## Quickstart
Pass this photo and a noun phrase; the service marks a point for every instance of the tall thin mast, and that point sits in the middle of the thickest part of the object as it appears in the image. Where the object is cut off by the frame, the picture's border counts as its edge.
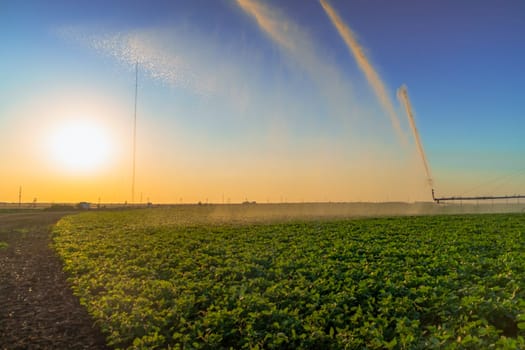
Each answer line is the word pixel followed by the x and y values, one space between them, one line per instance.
pixel 134 133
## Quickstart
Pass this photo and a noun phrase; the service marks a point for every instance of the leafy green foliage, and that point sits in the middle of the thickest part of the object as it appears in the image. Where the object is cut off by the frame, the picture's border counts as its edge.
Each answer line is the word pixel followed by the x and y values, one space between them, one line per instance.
pixel 162 278
pixel 3 245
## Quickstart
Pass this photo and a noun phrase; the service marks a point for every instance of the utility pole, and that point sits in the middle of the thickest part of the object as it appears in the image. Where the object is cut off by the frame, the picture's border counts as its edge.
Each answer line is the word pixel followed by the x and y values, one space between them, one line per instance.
pixel 20 196
pixel 134 133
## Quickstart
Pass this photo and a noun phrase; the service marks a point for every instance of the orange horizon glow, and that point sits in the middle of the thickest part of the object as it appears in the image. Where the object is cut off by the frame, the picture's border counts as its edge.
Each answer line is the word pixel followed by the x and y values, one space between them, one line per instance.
pixel 259 101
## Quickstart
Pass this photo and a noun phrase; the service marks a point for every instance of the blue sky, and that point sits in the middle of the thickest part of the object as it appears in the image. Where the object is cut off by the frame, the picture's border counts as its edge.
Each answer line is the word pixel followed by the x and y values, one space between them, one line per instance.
pixel 225 109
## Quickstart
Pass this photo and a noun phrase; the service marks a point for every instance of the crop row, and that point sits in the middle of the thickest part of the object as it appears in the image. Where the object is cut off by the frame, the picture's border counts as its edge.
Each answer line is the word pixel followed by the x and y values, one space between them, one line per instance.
pixel 151 280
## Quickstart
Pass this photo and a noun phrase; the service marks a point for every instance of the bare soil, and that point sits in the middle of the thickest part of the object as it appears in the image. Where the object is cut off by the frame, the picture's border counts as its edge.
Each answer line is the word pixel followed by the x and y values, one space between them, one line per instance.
pixel 37 307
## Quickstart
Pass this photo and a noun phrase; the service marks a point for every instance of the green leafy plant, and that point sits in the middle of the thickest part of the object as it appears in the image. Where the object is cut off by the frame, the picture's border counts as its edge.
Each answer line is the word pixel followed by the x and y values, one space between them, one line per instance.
pixel 173 278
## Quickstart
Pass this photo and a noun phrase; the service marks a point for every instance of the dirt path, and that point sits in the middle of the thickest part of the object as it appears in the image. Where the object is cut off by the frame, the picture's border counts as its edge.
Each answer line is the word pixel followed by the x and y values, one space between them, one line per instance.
pixel 37 307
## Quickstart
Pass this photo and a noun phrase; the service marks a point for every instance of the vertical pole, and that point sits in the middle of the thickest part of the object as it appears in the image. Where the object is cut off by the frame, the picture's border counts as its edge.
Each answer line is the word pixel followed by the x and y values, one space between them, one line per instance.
pixel 20 196
pixel 134 133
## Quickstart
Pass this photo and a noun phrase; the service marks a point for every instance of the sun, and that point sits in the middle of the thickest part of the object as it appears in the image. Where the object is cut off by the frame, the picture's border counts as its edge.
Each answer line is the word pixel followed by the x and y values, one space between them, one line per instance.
pixel 80 146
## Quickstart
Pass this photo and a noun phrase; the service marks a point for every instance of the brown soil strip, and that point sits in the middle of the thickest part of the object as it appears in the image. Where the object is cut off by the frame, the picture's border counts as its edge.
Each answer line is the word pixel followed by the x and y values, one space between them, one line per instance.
pixel 37 307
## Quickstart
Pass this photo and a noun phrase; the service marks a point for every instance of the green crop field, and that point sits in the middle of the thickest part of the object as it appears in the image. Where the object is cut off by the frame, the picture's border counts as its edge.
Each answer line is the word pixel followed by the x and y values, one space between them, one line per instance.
pixel 171 278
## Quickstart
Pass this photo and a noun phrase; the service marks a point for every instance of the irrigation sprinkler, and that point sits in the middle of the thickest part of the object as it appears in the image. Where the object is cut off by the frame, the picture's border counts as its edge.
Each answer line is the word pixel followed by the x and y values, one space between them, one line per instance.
pixel 474 198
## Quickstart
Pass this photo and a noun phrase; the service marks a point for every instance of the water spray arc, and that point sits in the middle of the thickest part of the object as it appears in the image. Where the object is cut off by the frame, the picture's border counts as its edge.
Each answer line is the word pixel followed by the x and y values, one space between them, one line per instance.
pixel 402 95
pixel 364 64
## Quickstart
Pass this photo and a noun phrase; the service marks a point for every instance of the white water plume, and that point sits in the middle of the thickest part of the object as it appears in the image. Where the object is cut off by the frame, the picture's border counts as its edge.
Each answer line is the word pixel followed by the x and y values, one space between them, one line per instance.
pixel 144 48
pixel 296 42
pixel 364 64
pixel 163 54
pixel 402 95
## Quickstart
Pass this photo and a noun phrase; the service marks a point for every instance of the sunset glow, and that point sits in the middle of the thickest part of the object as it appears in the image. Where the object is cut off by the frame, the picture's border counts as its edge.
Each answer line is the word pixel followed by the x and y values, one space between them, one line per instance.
pixel 266 101
pixel 79 146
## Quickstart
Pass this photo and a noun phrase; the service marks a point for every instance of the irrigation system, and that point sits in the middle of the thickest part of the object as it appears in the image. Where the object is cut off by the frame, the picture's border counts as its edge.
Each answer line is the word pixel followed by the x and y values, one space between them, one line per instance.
pixel 402 95
pixel 473 198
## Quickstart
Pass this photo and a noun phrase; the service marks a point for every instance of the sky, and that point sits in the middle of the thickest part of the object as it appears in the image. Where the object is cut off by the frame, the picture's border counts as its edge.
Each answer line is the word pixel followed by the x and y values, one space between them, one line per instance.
pixel 260 100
